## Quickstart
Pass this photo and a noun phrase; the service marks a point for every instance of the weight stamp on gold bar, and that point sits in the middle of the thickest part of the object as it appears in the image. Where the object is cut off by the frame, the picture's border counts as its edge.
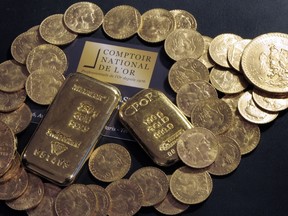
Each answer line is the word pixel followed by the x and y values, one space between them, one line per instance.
pixel 70 130
pixel 156 124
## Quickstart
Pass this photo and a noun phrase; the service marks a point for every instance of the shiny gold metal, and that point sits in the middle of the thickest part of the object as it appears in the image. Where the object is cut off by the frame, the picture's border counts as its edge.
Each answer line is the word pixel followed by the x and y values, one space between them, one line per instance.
pixel 126 197
pixel 109 162
pixel 191 186
pixel 191 93
pixel 184 19
pixel 154 183
pixel 12 100
pixel 76 199
pixel 205 57
pixel 184 43
pixel 197 147
pixel 12 76
pixel 19 119
pixel 235 53
pixel 252 112
pixel 24 43
pixel 69 131
pixel 246 134
pixel 31 197
pixel 156 24
pixel 43 84
pixel 185 71
pixel 102 199
pixel 264 62
pixel 156 124
pixel 7 147
pixel 46 206
pixel 53 30
pixel 122 22
pixel 228 157
pixel 219 46
pixel 47 56
pixel 213 114
pixel 14 187
pixel 83 17
pixel 227 80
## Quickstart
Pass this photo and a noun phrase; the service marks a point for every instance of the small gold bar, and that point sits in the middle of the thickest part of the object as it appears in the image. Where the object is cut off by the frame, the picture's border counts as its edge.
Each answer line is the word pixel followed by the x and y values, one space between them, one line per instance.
pixel 70 129
pixel 156 124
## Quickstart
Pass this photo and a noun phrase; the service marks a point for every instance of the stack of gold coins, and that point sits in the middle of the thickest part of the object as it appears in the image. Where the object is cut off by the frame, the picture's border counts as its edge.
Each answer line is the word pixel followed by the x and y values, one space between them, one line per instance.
pixel 225 86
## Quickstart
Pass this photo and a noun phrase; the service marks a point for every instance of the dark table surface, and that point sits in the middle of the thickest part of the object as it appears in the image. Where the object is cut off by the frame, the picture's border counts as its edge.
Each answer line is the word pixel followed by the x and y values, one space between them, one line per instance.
pixel 260 184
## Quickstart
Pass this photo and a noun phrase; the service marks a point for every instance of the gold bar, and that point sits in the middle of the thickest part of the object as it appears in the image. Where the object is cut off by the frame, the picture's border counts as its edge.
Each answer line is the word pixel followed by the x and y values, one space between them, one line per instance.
pixel 156 124
pixel 70 129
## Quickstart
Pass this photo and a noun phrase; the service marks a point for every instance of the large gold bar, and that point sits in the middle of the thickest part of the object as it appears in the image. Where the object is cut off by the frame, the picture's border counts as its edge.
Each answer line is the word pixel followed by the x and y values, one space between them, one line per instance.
pixel 70 129
pixel 156 124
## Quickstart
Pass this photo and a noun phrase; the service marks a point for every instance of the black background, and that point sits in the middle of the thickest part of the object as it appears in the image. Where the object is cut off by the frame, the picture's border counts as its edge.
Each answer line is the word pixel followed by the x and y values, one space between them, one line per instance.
pixel 260 184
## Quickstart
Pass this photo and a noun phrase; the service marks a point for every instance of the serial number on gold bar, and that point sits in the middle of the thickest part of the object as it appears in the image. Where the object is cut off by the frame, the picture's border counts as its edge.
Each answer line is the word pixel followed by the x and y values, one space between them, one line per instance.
pixel 71 128
pixel 156 124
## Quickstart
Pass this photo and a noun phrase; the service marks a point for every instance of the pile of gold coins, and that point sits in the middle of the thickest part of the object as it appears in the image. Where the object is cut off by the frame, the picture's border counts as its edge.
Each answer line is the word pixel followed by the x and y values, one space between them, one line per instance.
pixel 225 86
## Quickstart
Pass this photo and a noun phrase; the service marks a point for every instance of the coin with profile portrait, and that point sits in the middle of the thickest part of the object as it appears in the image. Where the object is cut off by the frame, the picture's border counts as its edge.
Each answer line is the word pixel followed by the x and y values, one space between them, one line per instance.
pixel 197 147
pixel 83 17
pixel 184 43
pixel 43 85
pixel 122 22
pixel 156 25
pixel 109 162
pixel 191 186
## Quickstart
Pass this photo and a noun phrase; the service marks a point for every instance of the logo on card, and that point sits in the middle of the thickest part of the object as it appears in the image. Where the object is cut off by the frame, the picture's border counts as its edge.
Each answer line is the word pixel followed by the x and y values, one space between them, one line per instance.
pixel 118 65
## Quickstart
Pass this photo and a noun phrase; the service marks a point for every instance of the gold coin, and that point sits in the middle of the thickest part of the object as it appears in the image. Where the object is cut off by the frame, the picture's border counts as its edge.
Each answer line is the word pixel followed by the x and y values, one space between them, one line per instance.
pixel 14 169
pixel 232 101
pixel 34 28
pixel 156 25
pixel 24 43
pixel 14 187
pixel 43 85
pixel 205 57
pixel 102 199
pixel 228 157
pixel 76 200
pixel 191 93
pixel 12 76
pixel 109 162
pixel 235 53
pixel 153 182
pixel 184 19
pixel 126 197
pixel 270 101
pixel 184 43
pixel 219 46
pixel 191 186
pixel 122 22
pixel 227 80
pixel 213 114
pixel 197 147
pixel 253 113
pixel 11 101
pixel 186 71
pixel 83 17
pixel 53 30
pixel 171 206
pixel 7 147
pixel 19 119
pixel 245 133
pixel 264 62
pixel 47 56
pixel 46 206
pixel 31 197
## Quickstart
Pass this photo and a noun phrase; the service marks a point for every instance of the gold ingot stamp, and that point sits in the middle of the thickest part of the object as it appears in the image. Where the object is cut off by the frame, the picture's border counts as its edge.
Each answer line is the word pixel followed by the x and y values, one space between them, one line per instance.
pixel 156 124
pixel 71 128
